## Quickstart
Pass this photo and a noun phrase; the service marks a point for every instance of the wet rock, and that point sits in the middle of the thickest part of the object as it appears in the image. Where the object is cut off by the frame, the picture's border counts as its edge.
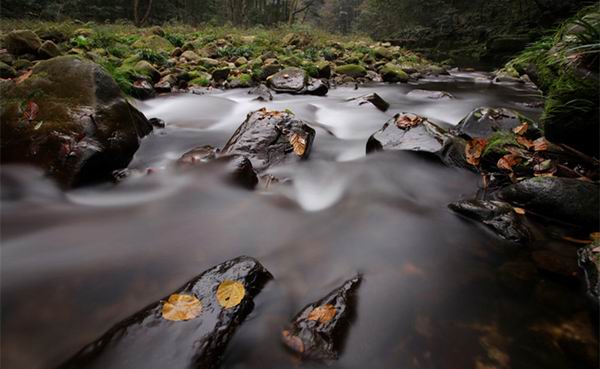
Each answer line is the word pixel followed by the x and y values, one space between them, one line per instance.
pixel 408 132
pixel 6 71
pixel 498 216
pixel 22 42
pixel 203 154
pixel 291 80
pixel 268 138
pixel 589 261
pixel 49 50
pixel 393 73
pixel 374 99
pixel 323 69
pixel 483 122
pixel 427 94
pixel 373 76
pixel 317 87
pixel 147 340
pixel 79 132
pixel 319 329
pixel 142 89
pixel 553 262
pixel 566 199
pixel 262 93
pixel 351 70
pixel 166 84
pixel 157 123
pixel 146 69
pixel 221 74
pixel 270 67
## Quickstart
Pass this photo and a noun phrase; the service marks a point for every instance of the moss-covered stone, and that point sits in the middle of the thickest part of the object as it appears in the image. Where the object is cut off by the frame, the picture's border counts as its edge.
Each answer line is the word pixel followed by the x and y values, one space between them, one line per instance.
pixel 153 42
pixel 146 69
pixel 393 73
pixel 351 70
pixel 6 71
pixel 22 42
pixel 49 50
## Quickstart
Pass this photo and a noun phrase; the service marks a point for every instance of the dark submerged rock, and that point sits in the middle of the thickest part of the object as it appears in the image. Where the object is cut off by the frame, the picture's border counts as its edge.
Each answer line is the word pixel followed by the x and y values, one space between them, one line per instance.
pixel 374 99
pixel 266 138
pixel 322 338
pixel 147 340
pixel 262 93
pixel 79 132
pixel 291 80
pixel 317 87
pixel 498 216
pixel 569 200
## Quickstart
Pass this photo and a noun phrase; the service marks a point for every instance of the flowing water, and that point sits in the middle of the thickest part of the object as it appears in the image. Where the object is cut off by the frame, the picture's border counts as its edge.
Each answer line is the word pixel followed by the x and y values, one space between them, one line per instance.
pixel 438 292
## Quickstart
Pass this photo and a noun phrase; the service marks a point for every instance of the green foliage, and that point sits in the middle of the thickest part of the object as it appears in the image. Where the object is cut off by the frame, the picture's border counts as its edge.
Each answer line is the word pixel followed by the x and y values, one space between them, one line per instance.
pixel 498 141
pixel 81 42
pixel 102 39
pixel 236 51
pixel 123 77
pixel 175 38
pixel 154 57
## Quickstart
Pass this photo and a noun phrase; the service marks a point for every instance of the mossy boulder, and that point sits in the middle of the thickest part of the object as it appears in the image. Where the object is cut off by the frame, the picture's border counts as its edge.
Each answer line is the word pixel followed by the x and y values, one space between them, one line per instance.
pixel 393 73
pixel 351 70
pixel 22 42
pixel 208 63
pixel 71 119
pixel 241 80
pixel 144 68
pixel 49 50
pixel 191 56
pixel 323 69
pixel 6 71
pixel 383 53
pixel 153 42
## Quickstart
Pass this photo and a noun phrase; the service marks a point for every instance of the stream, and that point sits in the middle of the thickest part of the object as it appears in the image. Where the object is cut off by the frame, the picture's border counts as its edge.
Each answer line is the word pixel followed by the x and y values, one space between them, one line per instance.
pixel 439 291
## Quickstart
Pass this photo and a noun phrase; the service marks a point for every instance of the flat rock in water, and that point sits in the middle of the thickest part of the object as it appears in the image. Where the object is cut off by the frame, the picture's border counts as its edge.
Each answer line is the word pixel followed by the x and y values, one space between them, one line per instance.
pixel 262 93
pixel 317 87
pixel 149 340
pixel 498 216
pixel 408 132
pixel 290 80
pixel 268 137
pixel 566 199
pixel 483 122
pixel 374 99
pixel 319 329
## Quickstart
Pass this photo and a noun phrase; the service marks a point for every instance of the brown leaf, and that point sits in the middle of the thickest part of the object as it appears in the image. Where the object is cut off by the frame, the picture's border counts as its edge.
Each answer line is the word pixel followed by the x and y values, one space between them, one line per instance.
pixel 507 162
pixel 181 307
pixel 519 211
pixel 20 79
pixel 524 142
pixel 406 121
pixel 31 111
pixel 230 293
pixel 521 129
pixel 541 144
pixel 293 342
pixel 595 235
pixel 323 313
pixel 298 143
pixel 474 149
pixel 576 240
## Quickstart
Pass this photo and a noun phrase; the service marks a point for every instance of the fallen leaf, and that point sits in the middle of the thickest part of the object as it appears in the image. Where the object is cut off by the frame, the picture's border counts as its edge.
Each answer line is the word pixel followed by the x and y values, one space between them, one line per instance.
pixel 405 121
pixel 474 149
pixel 298 143
pixel 541 144
pixel 524 142
pixel 181 307
pixel 507 162
pixel 20 79
pixel 595 235
pixel 31 111
pixel 294 342
pixel 323 313
pixel 521 129
pixel 576 240
pixel 519 211
pixel 230 293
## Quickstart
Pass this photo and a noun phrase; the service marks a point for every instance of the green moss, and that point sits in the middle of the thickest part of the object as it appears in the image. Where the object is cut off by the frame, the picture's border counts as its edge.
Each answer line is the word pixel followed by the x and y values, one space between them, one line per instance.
pixel 200 81
pixel 498 141
pixel 352 70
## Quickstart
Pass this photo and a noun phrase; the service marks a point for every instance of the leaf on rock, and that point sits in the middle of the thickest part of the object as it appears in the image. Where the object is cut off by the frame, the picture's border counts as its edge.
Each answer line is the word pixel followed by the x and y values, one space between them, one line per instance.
pixel 474 149
pixel 519 211
pixel 181 307
pixel 31 111
pixel 508 161
pixel 521 129
pixel 298 143
pixel 230 293
pixel 524 142
pixel 323 313
pixel 405 121
pixel 541 144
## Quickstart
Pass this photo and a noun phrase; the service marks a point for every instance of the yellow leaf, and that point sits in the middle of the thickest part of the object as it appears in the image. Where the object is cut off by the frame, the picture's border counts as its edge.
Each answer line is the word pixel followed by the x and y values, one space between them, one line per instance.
pixel 230 293
pixel 519 211
pixel 298 143
pixel 181 307
pixel 323 313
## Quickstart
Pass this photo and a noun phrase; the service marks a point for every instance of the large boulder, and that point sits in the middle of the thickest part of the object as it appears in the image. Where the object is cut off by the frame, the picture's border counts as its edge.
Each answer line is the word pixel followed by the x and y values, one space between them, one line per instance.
pixel 569 200
pixel 351 70
pixel 49 50
pixel 291 80
pixel 22 42
pixel 71 119
pixel 268 138
pixel 393 73
pixel 483 122
pixel 200 318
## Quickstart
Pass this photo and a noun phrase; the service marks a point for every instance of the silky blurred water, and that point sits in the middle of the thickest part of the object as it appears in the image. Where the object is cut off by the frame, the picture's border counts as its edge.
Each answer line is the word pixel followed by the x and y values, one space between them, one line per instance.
pixel 439 291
